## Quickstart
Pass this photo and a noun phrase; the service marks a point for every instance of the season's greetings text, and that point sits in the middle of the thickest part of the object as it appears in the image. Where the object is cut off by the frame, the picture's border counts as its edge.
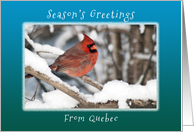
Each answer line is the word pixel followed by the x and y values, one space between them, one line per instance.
pixel 94 14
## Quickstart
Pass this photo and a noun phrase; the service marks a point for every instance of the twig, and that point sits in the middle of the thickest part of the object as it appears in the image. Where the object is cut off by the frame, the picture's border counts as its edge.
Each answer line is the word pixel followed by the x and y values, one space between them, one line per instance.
pixel 65 76
pixel 38 52
pixel 33 30
pixel 41 85
pixel 88 80
pixel 34 96
pixel 148 66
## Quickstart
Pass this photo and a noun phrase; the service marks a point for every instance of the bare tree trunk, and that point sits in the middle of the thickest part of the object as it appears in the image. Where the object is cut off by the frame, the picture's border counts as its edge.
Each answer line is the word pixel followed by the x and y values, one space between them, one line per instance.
pixel 149 66
pixel 141 44
pixel 117 55
pixel 136 46
pixel 147 38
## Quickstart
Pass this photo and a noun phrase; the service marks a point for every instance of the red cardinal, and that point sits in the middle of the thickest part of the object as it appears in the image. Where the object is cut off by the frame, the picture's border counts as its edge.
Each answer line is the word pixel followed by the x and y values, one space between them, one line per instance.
pixel 78 60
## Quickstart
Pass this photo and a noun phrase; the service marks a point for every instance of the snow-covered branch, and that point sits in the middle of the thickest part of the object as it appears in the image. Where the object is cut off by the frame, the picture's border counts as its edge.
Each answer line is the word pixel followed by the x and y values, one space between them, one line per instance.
pixel 113 95
pixel 43 48
pixel 145 56
pixel 43 72
pixel 137 65
pixel 71 91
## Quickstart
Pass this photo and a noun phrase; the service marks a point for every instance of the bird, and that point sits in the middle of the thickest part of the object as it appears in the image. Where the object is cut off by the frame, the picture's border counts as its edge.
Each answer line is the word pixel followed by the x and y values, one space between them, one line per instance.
pixel 78 60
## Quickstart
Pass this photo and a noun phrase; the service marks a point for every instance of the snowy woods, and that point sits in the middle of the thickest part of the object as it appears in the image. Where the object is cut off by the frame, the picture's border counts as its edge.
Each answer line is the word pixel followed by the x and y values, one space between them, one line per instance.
pixel 123 77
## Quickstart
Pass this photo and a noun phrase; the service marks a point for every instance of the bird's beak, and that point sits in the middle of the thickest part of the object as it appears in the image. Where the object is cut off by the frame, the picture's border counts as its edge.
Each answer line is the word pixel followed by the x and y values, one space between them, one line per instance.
pixel 93 47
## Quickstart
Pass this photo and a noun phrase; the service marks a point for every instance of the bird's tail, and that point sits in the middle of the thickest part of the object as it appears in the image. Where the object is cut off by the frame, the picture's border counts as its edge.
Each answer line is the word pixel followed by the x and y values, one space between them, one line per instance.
pixel 28 76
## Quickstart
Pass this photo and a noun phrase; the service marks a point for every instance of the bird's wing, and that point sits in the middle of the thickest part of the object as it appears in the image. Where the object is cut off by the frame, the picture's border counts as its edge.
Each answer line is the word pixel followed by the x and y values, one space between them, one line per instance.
pixel 68 61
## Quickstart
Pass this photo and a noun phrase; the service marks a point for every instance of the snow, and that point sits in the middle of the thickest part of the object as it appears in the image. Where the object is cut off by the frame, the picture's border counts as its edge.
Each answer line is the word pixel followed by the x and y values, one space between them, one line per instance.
pixel 121 91
pixel 44 48
pixel 141 28
pixel 155 48
pixel 120 27
pixel 36 62
pixel 28 28
pixel 110 47
pixel 40 65
pixel 79 28
pixel 145 56
pixel 140 79
pixel 100 39
pixel 146 50
pixel 113 90
pixel 54 99
pixel 51 28
pixel 154 37
pixel 94 35
pixel 80 36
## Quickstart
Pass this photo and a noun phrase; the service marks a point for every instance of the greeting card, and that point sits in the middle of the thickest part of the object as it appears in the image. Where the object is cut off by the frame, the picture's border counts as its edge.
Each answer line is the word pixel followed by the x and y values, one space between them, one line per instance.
pixel 96 65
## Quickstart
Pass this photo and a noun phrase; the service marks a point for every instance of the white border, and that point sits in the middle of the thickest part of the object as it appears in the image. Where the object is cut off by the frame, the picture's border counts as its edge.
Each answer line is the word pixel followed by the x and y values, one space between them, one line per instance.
pixel 92 23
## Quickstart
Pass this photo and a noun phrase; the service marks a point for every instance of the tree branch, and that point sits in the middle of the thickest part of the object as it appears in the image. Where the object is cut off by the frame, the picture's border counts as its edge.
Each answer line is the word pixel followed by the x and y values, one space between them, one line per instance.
pixel 57 85
pixel 73 94
pixel 88 80
pixel 141 103
pixel 76 95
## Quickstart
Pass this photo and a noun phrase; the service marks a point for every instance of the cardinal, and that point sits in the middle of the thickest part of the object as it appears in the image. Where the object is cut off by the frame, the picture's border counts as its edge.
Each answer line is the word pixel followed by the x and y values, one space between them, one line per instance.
pixel 78 60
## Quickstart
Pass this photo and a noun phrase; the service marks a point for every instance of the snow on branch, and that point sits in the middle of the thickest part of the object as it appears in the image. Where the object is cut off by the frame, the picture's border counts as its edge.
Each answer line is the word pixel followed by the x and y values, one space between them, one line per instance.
pixel 51 28
pixel 38 67
pixel 121 91
pixel 39 64
pixel 43 48
pixel 119 27
pixel 113 95
pixel 145 56
pixel 72 91
pixel 112 92
pixel 53 50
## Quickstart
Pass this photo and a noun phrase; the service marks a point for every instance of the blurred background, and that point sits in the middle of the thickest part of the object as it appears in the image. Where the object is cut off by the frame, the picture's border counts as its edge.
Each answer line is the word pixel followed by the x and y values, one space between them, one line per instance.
pixel 126 52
